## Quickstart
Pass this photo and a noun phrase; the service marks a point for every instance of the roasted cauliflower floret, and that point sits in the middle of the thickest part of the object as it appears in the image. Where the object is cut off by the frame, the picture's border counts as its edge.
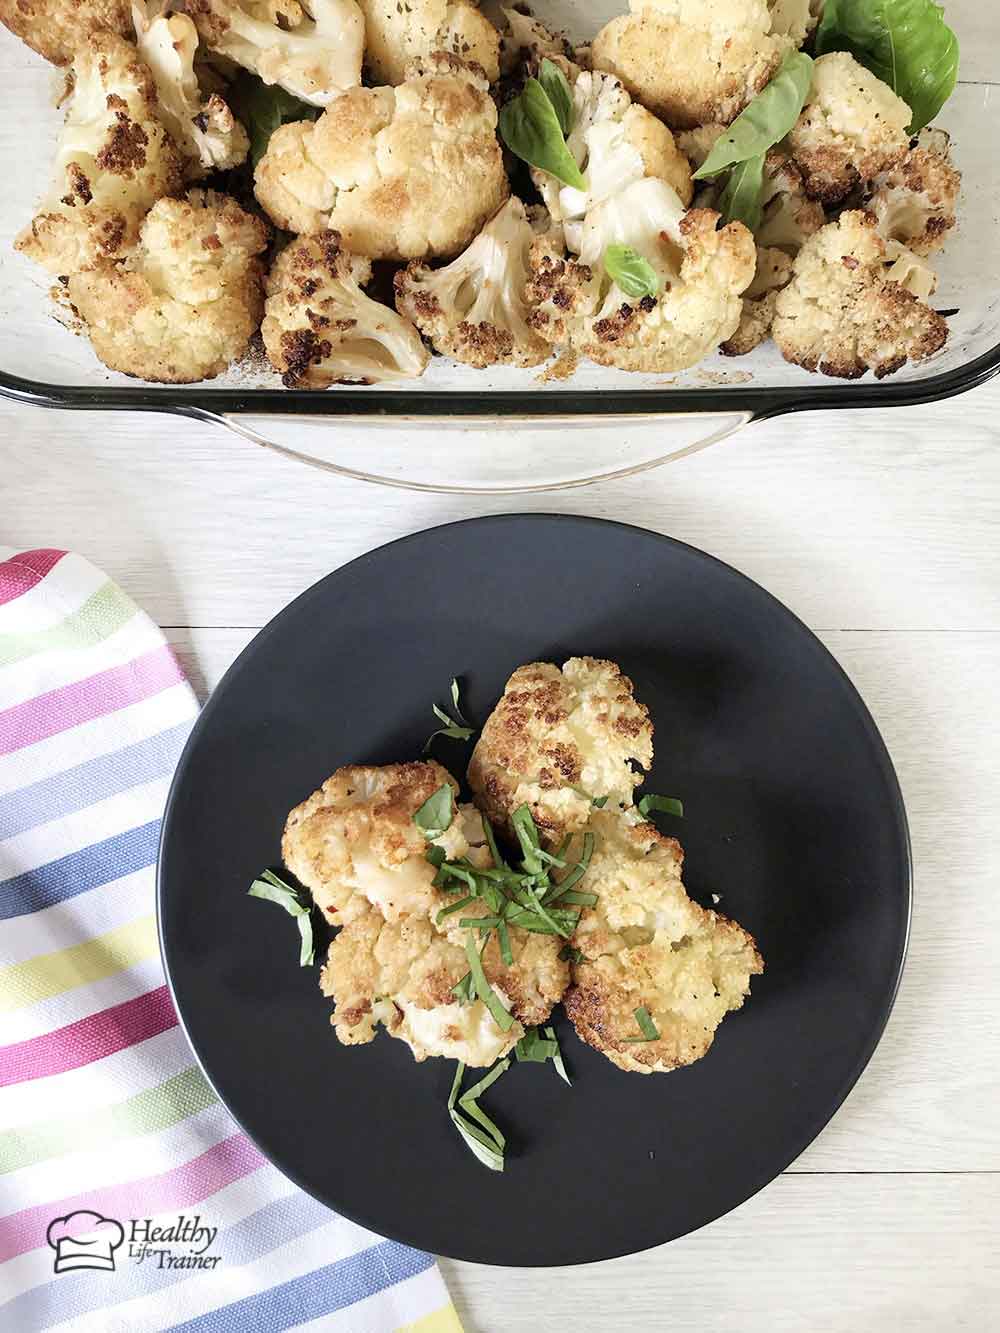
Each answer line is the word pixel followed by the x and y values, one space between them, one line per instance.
pixel 914 202
pixel 760 300
pixel 557 741
pixel 615 143
pixel 402 973
pixel 646 945
pixel 788 216
pixel 312 49
pixel 57 29
pixel 696 144
pixel 702 272
pixel 320 328
pixel 355 839
pixel 397 34
pixel 692 61
pixel 185 305
pixel 204 128
pixel 113 162
pixel 795 18
pixel 852 127
pixel 402 173
pixel 474 309
pixel 843 316
pixel 525 42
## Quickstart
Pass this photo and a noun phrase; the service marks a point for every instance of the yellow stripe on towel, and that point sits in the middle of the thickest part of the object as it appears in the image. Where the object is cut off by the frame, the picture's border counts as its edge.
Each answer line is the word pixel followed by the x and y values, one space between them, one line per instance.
pixel 49 974
pixel 440 1321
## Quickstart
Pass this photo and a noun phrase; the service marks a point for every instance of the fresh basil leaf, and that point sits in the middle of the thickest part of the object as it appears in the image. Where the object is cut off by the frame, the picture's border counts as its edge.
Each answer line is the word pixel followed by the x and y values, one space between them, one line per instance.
pixel 667 805
pixel 647 1027
pixel 484 990
pixel 905 43
pixel 556 88
pixel 557 1059
pixel 435 815
pixel 529 126
pixel 741 199
pixel 633 274
pixel 571 955
pixel 767 119
pixel 274 890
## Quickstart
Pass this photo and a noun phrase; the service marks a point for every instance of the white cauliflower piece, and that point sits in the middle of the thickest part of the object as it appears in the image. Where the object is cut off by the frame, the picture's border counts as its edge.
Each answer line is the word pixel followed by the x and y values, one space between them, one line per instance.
pixel 401 973
pixel 354 841
pixel 702 271
pixel 914 201
pixel 402 173
pixel 525 42
pixel 852 127
pixel 398 34
pixel 114 160
pixel 320 328
pixel 186 303
pixel 692 62
pixel 204 128
pixel 910 270
pixel 312 49
pixel 842 315
pixel 696 144
pixel 795 18
pixel 788 216
pixel 474 309
pixel 646 945
pixel 760 300
pixel 57 29
pixel 557 740
pixel 614 144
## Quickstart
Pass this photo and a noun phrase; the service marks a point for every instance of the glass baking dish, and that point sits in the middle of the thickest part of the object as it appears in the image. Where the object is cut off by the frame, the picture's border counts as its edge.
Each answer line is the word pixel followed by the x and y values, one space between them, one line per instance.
pixel 460 429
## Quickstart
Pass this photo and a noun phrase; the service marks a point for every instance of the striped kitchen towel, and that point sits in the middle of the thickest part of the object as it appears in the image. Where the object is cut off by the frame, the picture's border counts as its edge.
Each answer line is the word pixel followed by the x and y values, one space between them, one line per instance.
pixel 128 1199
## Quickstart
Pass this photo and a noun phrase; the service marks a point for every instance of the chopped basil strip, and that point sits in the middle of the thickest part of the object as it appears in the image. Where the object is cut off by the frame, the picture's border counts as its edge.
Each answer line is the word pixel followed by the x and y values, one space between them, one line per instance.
pixel 454 907
pixel 667 805
pixel 465 990
pixel 633 274
pixel 600 802
pixel 435 815
pixel 275 890
pixel 456 730
pixel 484 990
pixel 580 869
pixel 503 934
pixel 569 954
pixel 646 1026
pixel 557 1059
pixel 556 88
pixel 487 1143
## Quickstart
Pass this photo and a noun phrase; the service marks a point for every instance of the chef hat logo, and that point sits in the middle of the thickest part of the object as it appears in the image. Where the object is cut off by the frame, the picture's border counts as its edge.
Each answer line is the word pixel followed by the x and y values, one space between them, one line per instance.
pixel 85 1240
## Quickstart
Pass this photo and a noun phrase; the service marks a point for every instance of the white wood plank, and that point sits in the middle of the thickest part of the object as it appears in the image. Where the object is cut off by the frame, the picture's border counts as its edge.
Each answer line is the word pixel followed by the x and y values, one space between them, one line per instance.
pixel 929 1098
pixel 883 520
pixel 827 1254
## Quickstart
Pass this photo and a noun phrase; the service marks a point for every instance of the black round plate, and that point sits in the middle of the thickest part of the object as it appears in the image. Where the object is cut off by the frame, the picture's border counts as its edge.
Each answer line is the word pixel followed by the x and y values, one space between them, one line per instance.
pixel 793 816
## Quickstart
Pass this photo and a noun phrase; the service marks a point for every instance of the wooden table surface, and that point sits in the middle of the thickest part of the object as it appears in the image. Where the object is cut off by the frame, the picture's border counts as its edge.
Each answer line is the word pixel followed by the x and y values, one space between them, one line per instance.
pixel 882 531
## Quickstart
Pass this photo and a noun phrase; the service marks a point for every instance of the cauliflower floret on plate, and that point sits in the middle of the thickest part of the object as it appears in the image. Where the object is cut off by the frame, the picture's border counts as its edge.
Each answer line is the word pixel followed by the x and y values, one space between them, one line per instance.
pixel 397 34
pixel 760 301
pixel 402 974
pixel 702 273
pixel 402 173
pixel 320 328
pixel 843 315
pixel 788 216
pixel 355 839
pixel 204 128
pixel 914 201
pixel 852 127
pixel 692 61
pixel 614 143
pixel 795 18
pixel 57 29
pixel 185 305
pixel 312 49
pixel 474 309
pixel 557 741
pixel 525 42
pixel 114 160
pixel 646 945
